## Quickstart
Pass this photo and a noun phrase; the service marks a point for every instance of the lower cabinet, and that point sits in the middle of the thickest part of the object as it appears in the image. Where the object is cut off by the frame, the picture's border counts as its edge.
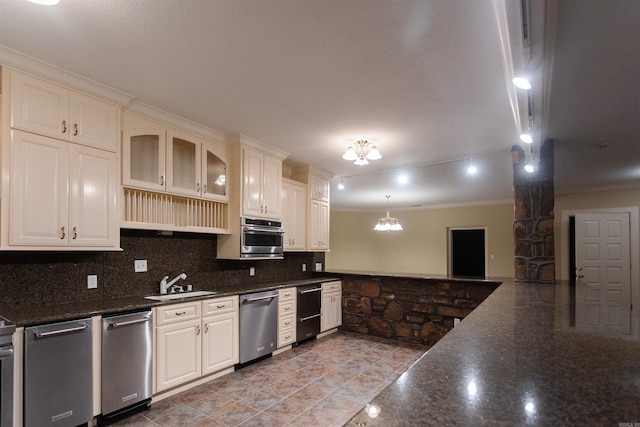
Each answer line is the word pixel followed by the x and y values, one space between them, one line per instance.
pixel 195 339
pixel 286 316
pixel 331 305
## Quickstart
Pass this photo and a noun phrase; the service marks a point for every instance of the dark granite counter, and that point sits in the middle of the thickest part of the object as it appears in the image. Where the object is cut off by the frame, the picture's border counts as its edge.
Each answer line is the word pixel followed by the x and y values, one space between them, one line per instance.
pixel 29 315
pixel 530 354
pixel 418 276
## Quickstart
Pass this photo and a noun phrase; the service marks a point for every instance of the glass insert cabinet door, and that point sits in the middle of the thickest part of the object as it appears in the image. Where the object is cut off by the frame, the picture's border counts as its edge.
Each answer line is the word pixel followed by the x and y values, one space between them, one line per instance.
pixel 214 171
pixel 144 159
pixel 184 164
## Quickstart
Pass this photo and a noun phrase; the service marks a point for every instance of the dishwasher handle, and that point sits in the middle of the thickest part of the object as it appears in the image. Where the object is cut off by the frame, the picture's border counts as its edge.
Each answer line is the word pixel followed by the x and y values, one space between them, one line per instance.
pixel 60 331
pixel 306 291
pixel 259 298
pixel 113 324
pixel 6 352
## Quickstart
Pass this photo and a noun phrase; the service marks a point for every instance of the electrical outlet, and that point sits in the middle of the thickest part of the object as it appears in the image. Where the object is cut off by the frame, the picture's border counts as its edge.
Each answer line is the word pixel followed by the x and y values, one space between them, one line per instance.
pixel 92 281
pixel 252 271
pixel 140 265
pixel 456 320
pixel 304 267
pixel 318 266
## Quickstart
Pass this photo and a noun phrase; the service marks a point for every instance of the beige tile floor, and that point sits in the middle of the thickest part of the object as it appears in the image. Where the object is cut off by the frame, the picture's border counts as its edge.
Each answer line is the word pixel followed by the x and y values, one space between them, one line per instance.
pixel 318 383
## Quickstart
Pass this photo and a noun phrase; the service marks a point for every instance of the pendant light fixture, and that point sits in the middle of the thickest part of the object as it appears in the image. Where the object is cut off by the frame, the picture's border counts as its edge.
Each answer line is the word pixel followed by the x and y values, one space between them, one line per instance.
pixel 362 151
pixel 387 223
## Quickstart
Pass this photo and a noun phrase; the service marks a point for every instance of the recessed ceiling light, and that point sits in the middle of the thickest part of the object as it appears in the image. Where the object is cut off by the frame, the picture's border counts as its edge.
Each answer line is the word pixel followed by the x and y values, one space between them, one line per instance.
pixel 522 83
pixel 45 2
pixel 403 179
pixel 471 170
pixel 526 137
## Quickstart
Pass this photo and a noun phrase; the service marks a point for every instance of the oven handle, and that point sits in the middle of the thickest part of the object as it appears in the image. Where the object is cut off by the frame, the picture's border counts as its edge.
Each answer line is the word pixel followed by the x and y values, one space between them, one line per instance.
pixel 302 319
pixel 6 352
pixel 306 291
pixel 260 230
pixel 60 331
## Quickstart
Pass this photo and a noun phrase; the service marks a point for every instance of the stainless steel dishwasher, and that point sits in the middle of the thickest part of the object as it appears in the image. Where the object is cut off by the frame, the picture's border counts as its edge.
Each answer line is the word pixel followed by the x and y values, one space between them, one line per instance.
pixel 6 372
pixel 58 381
pixel 258 325
pixel 127 345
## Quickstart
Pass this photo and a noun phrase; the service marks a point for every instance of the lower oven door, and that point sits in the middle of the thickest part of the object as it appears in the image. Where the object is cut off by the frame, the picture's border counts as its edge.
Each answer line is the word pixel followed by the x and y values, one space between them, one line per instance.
pixel 308 326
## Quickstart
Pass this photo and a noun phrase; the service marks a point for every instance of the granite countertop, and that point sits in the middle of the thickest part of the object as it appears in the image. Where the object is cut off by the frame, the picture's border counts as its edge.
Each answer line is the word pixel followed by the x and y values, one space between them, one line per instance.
pixel 35 314
pixel 530 354
pixel 465 279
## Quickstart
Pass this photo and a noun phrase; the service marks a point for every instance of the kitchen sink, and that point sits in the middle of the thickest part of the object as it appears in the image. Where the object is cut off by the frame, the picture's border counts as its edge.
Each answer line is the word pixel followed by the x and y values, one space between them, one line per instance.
pixel 180 295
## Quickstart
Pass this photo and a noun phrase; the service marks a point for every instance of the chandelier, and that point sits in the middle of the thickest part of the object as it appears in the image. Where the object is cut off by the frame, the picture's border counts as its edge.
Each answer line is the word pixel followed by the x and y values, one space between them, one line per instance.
pixel 362 151
pixel 387 223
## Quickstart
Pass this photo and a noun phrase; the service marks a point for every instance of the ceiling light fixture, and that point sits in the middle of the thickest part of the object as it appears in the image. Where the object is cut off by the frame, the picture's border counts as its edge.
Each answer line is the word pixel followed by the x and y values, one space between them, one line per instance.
pixel 341 185
pixel 361 152
pixel 472 170
pixel 526 137
pixel 387 223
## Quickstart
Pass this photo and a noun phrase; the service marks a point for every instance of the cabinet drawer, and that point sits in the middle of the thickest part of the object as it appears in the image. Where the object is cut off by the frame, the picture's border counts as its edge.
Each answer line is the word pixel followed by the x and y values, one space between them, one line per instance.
pixel 286 294
pixel 177 313
pixel 219 305
pixel 284 308
pixel 332 286
pixel 286 322
pixel 286 337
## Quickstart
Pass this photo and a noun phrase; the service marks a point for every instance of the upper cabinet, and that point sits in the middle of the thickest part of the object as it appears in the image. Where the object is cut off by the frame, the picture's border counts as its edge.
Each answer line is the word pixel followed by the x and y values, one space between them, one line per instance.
pixel 294 219
pixel 159 158
pixel 47 109
pixel 318 206
pixel 59 168
pixel 261 184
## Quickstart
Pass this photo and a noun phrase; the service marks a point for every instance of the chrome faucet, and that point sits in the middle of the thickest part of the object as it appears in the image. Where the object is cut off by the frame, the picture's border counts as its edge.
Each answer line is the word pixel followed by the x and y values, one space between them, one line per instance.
pixel 164 286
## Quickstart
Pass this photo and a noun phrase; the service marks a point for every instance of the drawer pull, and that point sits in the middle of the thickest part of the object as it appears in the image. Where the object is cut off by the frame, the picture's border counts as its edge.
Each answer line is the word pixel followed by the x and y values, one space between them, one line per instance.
pixel 287 323
pixel 287 337
pixel 180 313
pixel 220 306
pixel 287 308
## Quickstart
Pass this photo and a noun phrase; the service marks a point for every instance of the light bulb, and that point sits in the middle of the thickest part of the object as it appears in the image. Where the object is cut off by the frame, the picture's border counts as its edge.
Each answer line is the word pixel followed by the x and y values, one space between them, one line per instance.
pixel 522 83
pixel 525 137
pixel 529 168
pixel 471 170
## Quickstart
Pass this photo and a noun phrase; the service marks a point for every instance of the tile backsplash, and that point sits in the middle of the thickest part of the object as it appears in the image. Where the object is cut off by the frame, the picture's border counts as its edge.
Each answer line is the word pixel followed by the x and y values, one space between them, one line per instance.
pixel 57 277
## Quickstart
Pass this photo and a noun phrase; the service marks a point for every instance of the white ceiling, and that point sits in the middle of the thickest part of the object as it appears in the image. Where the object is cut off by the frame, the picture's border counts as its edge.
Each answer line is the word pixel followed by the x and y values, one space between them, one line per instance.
pixel 427 80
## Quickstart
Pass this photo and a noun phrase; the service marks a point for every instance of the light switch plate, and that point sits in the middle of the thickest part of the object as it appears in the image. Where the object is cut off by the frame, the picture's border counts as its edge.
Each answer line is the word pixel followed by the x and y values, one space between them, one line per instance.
pixel 304 267
pixel 92 281
pixel 140 265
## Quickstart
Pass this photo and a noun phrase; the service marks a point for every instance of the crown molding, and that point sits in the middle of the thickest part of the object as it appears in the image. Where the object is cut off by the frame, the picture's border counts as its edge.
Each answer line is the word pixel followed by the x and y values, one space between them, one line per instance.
pixel 239 139
pixel 27 64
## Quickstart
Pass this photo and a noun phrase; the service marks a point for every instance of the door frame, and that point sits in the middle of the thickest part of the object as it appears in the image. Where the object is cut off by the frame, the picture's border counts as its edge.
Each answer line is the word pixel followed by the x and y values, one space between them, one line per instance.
pixel 450 248
pixel 634 245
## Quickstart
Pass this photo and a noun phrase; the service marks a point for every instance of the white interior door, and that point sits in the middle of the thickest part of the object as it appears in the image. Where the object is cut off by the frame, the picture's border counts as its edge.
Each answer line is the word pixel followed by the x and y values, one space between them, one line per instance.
pixel 603 263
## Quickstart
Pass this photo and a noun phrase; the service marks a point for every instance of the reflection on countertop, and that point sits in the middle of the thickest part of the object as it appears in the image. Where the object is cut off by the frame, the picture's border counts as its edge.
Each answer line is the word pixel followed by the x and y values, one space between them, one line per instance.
pixel 525 356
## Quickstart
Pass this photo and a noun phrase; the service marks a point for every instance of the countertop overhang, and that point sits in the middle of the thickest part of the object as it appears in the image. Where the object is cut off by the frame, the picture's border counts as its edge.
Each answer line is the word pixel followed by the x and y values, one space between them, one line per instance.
pixel 527 355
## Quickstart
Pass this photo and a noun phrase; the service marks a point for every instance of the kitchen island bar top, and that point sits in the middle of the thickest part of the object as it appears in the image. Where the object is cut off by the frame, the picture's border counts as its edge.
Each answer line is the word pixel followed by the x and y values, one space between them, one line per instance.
pixel 530 354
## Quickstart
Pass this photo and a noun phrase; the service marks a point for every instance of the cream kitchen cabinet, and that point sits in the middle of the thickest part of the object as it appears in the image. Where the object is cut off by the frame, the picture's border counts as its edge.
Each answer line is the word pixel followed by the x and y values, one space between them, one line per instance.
pixel 286 316
pixel 178 345
pixel 318 226
pixel 331 305
pixel 195 339
pixel 48 109
pixel 62 194
pixel 220 339
pixel 318 188
pixel 165 159
pixel 294 215
pixel 261 185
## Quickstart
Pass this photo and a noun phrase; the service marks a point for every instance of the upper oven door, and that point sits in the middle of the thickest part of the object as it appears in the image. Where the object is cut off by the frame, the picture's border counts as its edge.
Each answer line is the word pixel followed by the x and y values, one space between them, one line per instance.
pixel 261 241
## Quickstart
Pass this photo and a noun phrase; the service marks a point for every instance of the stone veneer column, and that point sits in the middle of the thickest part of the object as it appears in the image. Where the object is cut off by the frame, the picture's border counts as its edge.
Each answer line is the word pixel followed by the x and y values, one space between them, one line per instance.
pixel 533 237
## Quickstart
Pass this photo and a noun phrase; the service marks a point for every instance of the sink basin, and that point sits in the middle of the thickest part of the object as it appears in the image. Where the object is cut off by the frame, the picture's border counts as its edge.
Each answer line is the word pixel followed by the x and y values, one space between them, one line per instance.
pixel 180 295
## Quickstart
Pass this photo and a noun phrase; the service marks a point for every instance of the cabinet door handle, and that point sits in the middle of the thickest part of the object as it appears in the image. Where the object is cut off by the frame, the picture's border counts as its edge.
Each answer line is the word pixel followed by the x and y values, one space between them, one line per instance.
pixel 206 328
pixel 63 233
pixel 64 126
pixel 198 330
pixel 198 187
pixel 161 179
pixel 204 188
pixel 75 233
pixel 266 209
pixel 75 129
